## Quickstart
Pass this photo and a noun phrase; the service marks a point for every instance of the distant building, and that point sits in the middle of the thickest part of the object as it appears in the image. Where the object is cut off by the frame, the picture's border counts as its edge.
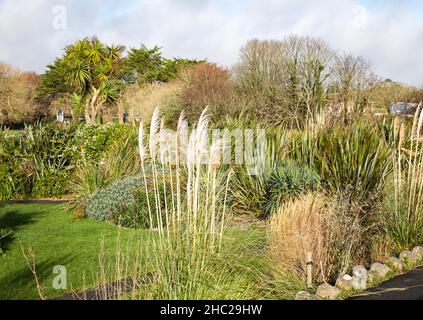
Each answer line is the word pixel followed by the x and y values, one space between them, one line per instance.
pixel 403 109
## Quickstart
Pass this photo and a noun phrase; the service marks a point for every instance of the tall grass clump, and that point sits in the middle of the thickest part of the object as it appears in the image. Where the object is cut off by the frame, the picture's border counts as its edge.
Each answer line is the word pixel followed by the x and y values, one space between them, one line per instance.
pixel 330 229
pixel 402 217
pixel 142 100
pixel 192 222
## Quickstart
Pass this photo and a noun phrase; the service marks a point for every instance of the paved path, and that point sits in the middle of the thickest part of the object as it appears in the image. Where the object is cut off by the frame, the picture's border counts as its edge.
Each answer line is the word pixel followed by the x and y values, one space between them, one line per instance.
pixel 111 290
pixel 33 202
pixel 407 286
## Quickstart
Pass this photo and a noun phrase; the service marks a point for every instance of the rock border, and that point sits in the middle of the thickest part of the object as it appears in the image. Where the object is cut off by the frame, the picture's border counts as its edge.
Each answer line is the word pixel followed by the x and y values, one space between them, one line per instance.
pixel 361 278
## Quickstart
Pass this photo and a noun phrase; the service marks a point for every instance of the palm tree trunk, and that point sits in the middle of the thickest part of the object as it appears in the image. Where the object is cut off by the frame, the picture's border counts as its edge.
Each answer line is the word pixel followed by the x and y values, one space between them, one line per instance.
pixel 91 109
pixel 87 113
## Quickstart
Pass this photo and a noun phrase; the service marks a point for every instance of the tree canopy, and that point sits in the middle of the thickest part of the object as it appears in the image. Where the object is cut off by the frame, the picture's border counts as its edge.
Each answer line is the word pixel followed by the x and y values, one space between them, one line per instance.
pixel 93 75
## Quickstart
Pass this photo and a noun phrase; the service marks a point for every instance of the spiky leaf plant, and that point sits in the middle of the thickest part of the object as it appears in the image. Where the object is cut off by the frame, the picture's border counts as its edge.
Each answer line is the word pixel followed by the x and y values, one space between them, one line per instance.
pixel 354 158
pixel 288 181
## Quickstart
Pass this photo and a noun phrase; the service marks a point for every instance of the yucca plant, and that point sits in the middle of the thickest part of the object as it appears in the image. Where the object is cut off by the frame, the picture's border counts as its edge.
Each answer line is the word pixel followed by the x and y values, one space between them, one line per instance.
pixel 261 188
pixel 403 215
pixel 288 181
pixel 250 182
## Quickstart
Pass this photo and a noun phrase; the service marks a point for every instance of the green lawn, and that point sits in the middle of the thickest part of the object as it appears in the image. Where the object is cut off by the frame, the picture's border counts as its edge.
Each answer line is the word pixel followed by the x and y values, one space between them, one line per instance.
pixel 15 132
pixel 57 239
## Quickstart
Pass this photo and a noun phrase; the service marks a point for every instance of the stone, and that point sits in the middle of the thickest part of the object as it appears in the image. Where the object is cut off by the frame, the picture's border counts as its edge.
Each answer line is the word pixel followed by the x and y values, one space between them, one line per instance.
pixel 410 257
pixel 326 291
pixel 414 257
pixel 403 108
pixel 405 255
pixel 396 263
pixel 418 251
pixel 379 269
pixel 304 295
pixel 359 278
pixel 345 282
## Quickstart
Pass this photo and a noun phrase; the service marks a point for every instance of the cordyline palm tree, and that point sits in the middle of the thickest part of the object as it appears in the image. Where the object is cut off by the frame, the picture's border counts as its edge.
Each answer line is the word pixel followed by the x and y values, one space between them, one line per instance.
pixel 93 72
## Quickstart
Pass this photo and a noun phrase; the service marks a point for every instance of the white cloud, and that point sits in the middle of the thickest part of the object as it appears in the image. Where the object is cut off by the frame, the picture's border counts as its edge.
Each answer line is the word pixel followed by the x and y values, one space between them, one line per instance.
pixel 361 17
pixel 388 35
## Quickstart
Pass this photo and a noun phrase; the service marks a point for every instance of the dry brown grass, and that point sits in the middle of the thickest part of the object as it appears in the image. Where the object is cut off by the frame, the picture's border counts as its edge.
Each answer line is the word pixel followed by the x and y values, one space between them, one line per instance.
pixel 381 248
pixel 331 230
pixel 143 100
pixel 297 228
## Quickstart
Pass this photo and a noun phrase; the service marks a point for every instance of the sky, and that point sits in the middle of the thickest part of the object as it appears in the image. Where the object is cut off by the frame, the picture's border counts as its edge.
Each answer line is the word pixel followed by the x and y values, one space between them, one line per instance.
pixel 388 33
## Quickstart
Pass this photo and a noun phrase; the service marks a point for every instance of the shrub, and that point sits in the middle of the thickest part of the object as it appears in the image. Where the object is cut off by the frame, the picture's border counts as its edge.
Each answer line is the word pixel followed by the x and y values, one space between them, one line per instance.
pixel 123 203
pixel 6 181
pixel 207 86
pixel 119 161
pixel 107 203
pixel 143 99
pixel 46 153
pixel 41 162
pixel 52 182
pixel 92 140
pixel 12 180
pixel 37 162
pixel 18 102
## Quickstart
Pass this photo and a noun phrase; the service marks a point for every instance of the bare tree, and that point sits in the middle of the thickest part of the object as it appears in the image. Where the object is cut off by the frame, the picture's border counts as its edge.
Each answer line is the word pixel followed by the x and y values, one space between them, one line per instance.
pixel 314 71
pixel 352 76
pixel 289 77
pixel 17 94
pixel 260 68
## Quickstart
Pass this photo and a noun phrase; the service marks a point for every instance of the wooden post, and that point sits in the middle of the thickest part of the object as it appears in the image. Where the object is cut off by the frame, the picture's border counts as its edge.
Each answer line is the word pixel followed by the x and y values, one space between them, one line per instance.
pixel 309 270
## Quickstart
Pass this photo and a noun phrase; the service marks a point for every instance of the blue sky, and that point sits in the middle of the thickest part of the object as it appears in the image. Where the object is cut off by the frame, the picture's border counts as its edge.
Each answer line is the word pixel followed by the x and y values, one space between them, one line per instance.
pixel 388 33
